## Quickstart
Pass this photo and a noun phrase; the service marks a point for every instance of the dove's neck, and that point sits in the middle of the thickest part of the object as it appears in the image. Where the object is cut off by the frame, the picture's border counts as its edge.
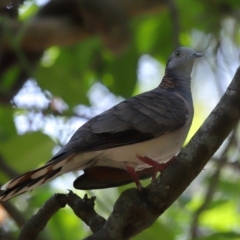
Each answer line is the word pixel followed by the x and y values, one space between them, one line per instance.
pixel 177 83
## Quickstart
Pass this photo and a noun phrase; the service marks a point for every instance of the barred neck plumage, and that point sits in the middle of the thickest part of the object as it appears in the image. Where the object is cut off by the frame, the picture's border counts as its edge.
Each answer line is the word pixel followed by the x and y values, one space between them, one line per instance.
pixel 177 83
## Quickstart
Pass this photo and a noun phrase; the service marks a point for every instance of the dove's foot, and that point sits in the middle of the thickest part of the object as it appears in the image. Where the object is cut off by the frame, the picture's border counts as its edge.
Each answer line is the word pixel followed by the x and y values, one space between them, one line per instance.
pixel 134 176
pixel 158 167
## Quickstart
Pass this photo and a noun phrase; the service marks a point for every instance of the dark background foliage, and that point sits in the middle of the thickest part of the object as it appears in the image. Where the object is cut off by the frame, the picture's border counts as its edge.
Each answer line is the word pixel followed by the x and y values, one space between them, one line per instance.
pixel 62 62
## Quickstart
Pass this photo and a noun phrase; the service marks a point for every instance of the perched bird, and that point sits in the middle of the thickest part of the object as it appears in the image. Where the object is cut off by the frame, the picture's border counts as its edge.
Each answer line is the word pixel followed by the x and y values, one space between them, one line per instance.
pixel 133 140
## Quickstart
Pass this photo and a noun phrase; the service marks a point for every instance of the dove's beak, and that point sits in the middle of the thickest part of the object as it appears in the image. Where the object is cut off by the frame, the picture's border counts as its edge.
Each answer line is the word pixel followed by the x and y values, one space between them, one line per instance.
pixel 197 55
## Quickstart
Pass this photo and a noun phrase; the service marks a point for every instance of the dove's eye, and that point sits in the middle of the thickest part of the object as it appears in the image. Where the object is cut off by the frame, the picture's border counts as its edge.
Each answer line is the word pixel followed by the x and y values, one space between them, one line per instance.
pixel 177 53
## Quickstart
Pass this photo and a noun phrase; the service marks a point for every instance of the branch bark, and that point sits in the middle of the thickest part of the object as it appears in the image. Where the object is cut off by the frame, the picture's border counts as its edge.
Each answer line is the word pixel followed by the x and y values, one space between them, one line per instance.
pixel 83 208
pixel 135 211
pixel 37 223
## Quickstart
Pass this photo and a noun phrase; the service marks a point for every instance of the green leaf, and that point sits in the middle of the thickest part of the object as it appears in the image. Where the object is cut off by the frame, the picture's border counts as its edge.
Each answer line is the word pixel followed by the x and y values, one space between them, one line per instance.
pixel 194 18
pixel 222 236
pixel 65 225
pixel 26 152
pixel 216 203
pixel 27 10
pixel 221 218
pixel 157 231
pixel 8 78
pixel 7 127
pixel 70 76
pixel 120 73
pixel 160 49
pixel 229 188
pixel 150 34
pixel 146 32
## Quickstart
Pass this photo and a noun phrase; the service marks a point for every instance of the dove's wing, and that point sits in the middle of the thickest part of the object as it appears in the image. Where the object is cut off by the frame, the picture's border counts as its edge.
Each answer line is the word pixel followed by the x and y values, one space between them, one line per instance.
pixel 135 120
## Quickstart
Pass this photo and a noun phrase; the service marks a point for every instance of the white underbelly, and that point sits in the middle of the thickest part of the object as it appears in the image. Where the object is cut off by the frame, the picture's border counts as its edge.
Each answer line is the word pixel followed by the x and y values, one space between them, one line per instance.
pixel 160 149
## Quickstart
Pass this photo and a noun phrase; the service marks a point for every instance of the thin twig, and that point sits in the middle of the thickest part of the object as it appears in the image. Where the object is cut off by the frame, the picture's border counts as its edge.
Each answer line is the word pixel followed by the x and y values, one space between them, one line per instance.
pixel 83 208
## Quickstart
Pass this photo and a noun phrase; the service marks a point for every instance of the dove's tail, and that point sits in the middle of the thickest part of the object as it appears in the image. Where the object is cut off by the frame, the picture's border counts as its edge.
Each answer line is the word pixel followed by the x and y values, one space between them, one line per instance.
pixel 35 178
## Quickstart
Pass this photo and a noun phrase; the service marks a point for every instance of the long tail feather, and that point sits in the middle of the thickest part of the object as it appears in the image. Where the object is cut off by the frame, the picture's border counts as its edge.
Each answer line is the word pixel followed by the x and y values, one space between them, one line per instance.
pixel 32 179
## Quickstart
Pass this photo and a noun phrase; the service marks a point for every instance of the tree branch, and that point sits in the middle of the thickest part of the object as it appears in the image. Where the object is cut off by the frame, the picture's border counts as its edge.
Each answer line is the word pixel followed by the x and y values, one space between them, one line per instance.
pixel 37 223
pixel 83 208
pixel 136 210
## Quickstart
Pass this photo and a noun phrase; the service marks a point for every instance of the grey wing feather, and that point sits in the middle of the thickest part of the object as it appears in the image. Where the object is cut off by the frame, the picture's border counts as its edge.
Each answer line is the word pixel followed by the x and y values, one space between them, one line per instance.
pixel 152 112
pixel 137 119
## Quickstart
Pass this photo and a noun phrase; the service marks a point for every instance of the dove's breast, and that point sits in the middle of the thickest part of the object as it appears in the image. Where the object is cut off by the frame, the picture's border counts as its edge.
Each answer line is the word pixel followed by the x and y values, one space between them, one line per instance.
pixel 160 149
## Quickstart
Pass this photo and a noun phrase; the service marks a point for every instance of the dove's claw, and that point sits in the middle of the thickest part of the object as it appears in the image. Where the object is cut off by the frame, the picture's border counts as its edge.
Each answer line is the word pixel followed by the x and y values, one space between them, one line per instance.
pixel 134 176
pixel 158 167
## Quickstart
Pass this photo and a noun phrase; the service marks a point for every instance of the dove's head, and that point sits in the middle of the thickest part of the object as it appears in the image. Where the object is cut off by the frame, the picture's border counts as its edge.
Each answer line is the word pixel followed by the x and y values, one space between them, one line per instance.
pixel 181 61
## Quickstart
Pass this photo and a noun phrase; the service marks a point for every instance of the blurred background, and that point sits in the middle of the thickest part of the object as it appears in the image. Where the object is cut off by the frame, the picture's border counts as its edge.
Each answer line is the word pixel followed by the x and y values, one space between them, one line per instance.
pixel 63 62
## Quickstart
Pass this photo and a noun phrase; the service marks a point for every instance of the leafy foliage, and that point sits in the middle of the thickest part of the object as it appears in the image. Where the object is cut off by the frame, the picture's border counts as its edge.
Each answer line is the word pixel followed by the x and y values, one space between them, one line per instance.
pixel 70 72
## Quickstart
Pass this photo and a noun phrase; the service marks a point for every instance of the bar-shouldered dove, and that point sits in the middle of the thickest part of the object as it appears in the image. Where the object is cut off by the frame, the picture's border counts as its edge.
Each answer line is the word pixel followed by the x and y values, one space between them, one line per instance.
pixel 133 140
